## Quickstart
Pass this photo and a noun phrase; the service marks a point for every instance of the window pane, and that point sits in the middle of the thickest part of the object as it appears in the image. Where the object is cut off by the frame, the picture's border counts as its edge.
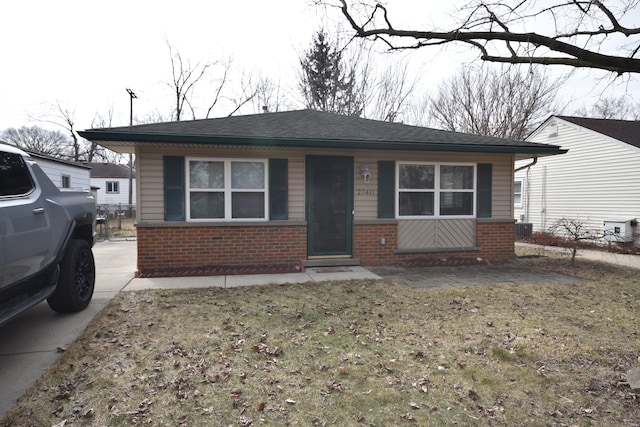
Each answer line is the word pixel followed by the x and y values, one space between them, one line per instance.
pixel 416 176
pixel 206 204
pixel 247 175
pixel 247 205
pixel 456 177
pixel 204 174
pixel 15 178
pixel 413 204
pixel 459 203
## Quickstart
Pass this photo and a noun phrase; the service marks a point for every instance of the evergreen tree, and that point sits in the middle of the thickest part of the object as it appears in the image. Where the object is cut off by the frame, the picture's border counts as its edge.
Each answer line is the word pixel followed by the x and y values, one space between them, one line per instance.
pixel 326 82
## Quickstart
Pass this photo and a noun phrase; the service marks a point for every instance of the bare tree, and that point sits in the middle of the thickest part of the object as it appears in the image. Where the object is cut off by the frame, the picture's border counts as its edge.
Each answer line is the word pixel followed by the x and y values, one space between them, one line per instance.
pixel 269 95
pixel 392 90
pixel 582 32
pixel 184 77
pixel 96 152
pixel 505 102
pixel 34 138
pixel 216 76
pixel 248 91
pixel 64 117
pixel 575 231
pixel 620 108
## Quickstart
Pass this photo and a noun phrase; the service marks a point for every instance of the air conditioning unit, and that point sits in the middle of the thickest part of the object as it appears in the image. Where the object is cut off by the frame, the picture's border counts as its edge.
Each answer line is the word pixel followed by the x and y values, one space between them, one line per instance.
pixel 619 230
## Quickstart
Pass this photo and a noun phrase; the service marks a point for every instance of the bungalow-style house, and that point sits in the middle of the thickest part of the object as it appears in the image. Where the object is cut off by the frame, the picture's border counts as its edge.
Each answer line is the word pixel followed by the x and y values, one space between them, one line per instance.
pixel 276 192
pixel 112 183
pixel 596 183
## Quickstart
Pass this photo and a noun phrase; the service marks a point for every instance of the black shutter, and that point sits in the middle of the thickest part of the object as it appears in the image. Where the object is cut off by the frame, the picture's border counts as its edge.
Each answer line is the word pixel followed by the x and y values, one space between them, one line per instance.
pixel 278 189
pixel 386 189
pixel 174 192
pixel 484 190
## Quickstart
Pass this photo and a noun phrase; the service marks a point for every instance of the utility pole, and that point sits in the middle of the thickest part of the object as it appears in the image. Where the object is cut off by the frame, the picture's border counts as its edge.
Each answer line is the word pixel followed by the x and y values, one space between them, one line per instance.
pixel 132 95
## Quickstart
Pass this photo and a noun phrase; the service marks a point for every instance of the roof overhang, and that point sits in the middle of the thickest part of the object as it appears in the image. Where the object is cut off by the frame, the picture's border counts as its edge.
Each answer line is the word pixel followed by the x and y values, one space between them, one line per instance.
pixel 125 142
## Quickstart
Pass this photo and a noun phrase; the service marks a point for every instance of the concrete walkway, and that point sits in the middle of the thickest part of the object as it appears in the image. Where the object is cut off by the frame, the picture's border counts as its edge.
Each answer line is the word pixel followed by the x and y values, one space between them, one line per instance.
pixel 234 281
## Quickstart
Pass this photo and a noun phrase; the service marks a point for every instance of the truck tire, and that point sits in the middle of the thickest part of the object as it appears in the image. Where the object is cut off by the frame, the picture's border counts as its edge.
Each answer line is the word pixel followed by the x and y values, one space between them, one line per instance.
pixel 77 279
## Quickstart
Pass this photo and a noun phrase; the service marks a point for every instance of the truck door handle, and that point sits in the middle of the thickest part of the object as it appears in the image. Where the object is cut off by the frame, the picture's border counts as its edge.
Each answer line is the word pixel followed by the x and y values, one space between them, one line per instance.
pixel 38 211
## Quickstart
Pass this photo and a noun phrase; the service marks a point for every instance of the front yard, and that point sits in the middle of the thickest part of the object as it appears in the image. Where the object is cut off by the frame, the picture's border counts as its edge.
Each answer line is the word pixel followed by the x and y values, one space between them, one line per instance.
pixel 355 353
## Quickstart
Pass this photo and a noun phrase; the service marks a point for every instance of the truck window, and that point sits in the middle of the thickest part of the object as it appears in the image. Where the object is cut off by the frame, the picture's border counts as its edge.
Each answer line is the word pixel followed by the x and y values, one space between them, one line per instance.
pixel 15 178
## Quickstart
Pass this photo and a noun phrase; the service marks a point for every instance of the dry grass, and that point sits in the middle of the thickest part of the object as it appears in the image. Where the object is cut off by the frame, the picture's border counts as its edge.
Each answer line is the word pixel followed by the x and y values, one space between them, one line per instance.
pixel 354 353
pixel 116 228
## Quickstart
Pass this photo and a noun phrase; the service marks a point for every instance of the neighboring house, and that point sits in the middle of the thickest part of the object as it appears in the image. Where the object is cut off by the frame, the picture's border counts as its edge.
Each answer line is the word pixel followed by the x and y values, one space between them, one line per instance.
pixel 63 173
pixel 111 182
pixel 276 192
pixel 597 181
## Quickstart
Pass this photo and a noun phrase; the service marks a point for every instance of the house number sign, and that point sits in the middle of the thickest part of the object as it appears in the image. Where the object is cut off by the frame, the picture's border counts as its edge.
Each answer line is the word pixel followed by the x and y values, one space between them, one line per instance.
pixel 365 192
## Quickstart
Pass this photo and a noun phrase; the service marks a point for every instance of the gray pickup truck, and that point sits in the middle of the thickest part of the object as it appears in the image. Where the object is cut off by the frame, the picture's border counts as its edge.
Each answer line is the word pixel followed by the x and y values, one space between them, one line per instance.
pixel 46 236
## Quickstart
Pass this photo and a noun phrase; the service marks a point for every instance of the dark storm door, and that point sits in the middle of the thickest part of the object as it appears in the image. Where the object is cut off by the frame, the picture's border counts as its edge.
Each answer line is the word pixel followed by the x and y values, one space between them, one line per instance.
pixel 329 202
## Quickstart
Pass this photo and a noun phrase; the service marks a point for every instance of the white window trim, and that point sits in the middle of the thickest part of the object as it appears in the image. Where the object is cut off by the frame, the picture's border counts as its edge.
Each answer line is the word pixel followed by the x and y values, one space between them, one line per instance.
pixel 227 190
pixel 521 181
pixel 436 190
pixel 106 190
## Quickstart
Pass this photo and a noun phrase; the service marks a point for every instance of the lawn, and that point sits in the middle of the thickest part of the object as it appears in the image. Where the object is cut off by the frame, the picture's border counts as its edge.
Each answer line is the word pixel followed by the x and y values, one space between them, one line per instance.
pixel 355 353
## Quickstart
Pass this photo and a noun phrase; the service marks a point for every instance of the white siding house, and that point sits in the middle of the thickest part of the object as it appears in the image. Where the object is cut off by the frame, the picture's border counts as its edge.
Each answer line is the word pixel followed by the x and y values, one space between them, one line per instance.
pixel 597 181
pixel 111 183
pixel 64 174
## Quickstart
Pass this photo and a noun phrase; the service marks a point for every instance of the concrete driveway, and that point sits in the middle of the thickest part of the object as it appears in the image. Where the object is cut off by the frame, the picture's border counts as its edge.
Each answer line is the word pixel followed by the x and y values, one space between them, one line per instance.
pixel 30 343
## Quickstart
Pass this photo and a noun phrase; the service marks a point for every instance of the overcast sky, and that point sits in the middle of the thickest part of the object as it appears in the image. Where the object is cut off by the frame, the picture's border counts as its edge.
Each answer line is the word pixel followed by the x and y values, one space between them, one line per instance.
pixel 84 54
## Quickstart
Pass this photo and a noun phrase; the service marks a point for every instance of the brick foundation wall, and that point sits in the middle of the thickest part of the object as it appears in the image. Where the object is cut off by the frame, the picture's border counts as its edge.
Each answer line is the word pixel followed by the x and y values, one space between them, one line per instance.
pixel 367 247
pixel 494 240
pixel 213 250
pixel 497 239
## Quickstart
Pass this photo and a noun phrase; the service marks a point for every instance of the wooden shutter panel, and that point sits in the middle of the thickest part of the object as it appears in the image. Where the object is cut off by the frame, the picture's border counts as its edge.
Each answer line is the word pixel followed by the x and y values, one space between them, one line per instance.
pixel 174 191
pixel 278 189
pixel 386 189
pixel 484 190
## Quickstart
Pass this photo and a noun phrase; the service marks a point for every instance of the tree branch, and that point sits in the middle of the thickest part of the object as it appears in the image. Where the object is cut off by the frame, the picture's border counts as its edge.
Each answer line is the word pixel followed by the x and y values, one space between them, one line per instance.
pixel 475 32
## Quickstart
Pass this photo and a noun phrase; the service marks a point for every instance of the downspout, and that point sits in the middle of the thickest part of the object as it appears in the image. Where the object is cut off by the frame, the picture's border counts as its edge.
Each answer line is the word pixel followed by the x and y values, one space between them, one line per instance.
pixel 535 160
pixel 525 190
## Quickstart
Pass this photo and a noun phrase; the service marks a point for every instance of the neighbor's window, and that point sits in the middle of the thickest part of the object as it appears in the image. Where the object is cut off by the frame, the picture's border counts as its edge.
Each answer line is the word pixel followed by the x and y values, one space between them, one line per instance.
pixel 66 181
pixel 517 193
pixel 435 190
pixel 223 189
pixel 113 187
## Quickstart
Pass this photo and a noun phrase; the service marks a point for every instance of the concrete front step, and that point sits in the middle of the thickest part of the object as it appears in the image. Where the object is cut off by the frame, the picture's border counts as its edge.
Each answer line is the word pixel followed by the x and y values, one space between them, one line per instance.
pixel 330 262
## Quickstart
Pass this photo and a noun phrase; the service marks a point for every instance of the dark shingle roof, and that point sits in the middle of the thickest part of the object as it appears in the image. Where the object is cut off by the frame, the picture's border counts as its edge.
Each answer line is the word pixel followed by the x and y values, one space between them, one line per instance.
pixel 109 170
pixel 309 128
pixel 623 130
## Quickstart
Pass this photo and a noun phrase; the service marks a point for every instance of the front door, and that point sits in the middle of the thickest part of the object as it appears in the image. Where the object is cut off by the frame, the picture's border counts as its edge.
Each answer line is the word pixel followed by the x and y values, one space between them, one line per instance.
pixel 329 200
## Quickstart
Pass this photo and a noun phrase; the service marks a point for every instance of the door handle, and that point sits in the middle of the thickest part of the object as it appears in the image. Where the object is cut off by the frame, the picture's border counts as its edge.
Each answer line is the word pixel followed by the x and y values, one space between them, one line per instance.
pixel 38 211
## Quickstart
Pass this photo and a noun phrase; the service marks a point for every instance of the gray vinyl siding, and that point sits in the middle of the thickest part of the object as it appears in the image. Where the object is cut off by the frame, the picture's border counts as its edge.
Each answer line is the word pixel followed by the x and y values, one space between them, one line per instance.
pixel 150 176
pixel 596 180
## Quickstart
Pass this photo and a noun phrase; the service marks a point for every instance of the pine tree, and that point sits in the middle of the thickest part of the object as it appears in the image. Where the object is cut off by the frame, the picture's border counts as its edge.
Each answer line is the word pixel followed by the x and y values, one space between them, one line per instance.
pixel 326 83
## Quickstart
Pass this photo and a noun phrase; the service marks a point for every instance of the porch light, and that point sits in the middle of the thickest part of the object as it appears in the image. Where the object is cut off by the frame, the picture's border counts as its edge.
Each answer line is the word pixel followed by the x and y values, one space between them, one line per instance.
pixel 365 173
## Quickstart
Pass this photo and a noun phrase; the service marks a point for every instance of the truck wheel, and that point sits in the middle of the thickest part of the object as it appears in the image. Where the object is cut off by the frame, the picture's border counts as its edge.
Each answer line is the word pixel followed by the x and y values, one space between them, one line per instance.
pixel 77 279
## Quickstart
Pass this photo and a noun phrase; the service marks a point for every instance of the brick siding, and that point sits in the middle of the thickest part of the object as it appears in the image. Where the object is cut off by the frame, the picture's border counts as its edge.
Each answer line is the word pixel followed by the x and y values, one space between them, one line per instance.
pixel 238 249
pixel 212 250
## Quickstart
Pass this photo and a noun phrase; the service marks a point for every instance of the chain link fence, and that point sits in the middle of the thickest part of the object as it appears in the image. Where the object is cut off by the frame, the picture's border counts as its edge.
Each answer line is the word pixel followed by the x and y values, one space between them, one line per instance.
pixel 115 222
